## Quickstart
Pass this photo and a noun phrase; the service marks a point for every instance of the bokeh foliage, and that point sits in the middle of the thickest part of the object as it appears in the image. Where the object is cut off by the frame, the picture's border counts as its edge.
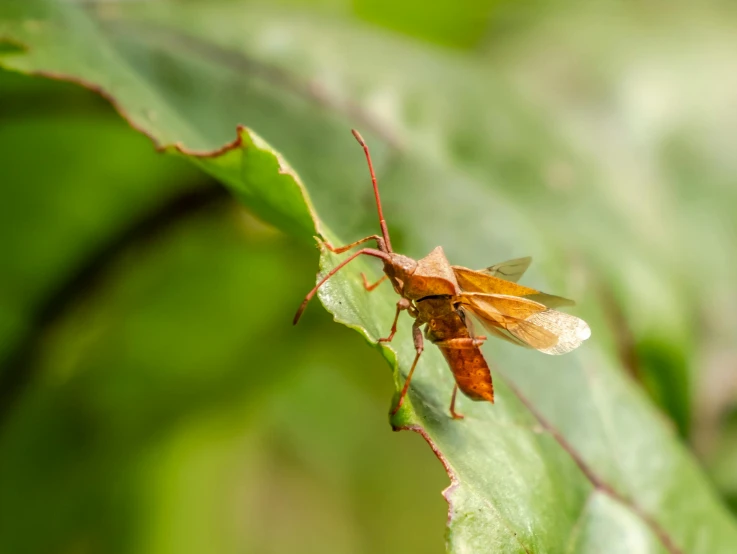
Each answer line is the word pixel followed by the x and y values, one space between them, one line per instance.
pixel 155 420
pixel 502 170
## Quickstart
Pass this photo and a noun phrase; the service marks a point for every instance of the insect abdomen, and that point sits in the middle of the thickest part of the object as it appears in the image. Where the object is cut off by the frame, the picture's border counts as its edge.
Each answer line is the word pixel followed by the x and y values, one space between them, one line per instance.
pixel 471 372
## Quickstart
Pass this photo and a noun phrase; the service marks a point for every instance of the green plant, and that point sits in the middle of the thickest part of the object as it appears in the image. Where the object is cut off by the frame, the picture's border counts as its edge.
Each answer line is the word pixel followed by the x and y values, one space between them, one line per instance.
pixel 573 456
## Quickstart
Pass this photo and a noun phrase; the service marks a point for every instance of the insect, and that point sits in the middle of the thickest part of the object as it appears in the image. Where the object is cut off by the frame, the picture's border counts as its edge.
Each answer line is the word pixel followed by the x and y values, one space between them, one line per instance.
pixel 444 298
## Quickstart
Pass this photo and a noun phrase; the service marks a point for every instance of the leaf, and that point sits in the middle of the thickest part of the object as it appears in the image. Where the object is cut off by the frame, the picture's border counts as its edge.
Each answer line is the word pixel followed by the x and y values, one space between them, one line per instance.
pixel 237 162
pixel 572 457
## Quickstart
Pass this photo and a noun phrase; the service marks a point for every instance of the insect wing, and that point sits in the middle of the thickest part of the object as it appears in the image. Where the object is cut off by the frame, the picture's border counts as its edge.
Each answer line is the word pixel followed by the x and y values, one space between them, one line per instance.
pixel 570 330
pixel 507 315
pixel 498 332
pixel 511 270
pixel 527 322
pixel 550 300
pixel 479 281
pixel 483 281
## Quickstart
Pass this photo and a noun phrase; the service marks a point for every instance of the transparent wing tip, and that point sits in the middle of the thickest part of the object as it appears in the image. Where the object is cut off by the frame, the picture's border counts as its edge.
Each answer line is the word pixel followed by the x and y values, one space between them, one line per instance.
pixel 583 331
pixel 571 330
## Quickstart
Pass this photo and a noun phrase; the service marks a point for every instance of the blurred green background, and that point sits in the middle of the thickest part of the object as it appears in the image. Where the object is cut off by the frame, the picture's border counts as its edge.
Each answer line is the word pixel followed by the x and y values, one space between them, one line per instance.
pixel 155 397
pixel 166 401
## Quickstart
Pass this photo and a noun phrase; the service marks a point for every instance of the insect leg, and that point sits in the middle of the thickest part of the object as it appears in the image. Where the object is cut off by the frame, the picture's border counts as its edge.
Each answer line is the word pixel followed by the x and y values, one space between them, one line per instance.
pixel 368 286
pixel 367 251
pixel 453 413
pixel 461 343
pixel 403 304
pixel 340 249
pixel 419 347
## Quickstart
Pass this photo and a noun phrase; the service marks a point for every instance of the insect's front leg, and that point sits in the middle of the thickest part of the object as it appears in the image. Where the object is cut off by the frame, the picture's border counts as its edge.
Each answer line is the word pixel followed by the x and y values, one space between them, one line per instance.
pixel 364 251
pixel 419 347
pixel 371 286
pixel 403 304
pixel 340 249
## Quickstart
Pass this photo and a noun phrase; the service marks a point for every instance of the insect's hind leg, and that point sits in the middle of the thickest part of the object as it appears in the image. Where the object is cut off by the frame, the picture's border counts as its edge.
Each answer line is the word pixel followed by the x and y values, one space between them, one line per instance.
pixel 453 413
pixel 461 343
pixel 419 347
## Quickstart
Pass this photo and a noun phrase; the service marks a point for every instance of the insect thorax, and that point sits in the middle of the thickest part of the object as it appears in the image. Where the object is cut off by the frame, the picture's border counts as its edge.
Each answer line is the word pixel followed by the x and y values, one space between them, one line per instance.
pixel 442 319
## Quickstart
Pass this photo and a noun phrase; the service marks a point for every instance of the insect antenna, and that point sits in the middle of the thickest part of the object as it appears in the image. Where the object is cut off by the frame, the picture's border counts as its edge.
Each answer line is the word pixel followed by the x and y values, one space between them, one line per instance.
pixel 382 221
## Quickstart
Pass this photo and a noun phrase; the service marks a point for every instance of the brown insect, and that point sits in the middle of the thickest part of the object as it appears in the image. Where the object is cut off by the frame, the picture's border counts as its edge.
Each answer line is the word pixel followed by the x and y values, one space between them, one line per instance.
pixel 444 297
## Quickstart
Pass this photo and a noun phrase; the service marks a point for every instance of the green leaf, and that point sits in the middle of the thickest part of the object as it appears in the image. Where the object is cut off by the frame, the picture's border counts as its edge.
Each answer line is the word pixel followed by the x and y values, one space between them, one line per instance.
pixel 572 457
